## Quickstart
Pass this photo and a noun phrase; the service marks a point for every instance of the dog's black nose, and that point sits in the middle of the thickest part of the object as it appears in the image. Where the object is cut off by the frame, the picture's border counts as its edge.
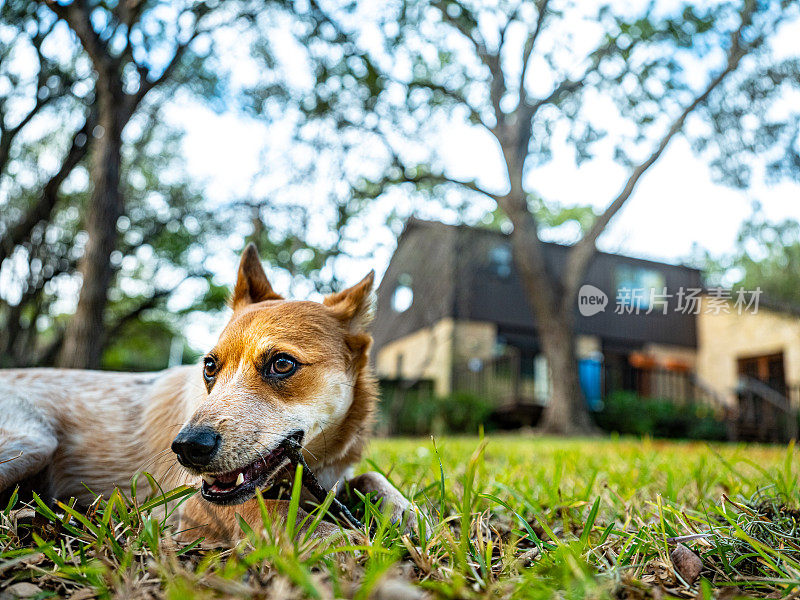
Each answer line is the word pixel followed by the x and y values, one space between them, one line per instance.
pixel 195 446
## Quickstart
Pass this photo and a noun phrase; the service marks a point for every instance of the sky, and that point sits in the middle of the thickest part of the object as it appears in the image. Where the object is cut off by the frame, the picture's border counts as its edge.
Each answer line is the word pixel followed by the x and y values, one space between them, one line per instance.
pixel 676 204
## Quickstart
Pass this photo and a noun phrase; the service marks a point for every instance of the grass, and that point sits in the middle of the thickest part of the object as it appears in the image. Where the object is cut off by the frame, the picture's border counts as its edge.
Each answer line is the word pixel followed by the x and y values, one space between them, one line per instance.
pixel 505 517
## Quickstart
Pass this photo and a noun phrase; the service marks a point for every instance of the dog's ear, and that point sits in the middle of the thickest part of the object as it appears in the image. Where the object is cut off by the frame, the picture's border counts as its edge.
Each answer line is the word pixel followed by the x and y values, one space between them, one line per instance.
pixel 355 305
pixel 251 282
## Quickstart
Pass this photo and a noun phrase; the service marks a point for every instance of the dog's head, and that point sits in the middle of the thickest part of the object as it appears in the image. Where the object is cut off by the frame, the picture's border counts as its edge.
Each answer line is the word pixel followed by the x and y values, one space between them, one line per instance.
pixel 283 372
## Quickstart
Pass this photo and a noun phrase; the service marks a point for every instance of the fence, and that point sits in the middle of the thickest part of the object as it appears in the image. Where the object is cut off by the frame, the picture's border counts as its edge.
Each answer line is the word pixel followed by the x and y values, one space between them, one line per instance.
pixel 507 381
pixel 502 381
pixel 678 386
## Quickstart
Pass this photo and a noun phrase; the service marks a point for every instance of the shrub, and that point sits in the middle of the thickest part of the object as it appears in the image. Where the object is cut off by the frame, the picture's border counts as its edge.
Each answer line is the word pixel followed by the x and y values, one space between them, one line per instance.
pixel 464 412
pixel 420 412
pixel 628 413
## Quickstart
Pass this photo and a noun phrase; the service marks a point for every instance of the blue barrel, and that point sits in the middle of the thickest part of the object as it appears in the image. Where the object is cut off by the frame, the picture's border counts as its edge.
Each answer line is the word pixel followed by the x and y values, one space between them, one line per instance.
pixel 590 375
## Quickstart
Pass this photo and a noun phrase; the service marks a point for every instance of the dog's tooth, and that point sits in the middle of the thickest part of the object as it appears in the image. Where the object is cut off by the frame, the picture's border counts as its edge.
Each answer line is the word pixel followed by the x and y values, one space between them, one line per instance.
pixel 208 479
pixel 240 479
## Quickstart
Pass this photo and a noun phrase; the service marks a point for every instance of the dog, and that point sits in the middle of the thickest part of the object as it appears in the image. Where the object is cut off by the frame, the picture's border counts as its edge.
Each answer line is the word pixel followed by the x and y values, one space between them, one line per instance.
pixel 284 374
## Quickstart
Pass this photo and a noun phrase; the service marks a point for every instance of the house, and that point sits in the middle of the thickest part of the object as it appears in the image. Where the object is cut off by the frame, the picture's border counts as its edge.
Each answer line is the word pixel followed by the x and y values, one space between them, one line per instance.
pixel 451 298
pixel 451 310
pixel 762 345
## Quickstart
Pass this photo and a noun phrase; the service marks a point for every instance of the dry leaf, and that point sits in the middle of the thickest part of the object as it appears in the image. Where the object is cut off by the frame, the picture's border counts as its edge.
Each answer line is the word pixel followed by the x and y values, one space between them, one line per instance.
pixel 686 563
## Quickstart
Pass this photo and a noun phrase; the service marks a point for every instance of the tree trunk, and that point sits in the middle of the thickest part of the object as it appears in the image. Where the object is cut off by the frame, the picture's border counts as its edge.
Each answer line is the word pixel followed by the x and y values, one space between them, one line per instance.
pixel 82 347
pixel 566 413
pixel 10 335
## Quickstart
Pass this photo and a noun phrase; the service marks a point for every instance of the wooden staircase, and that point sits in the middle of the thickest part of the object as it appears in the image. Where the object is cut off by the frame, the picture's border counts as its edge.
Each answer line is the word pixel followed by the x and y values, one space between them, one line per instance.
pixel 762 415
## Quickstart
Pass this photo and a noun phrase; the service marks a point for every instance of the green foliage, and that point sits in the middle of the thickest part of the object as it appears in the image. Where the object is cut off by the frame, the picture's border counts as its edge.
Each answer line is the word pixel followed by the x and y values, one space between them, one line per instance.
pixel 767 256
pixel 549 215
pixel 416 67
pixel 627 413
pixel 168 231
pixel 464 412
pixel 417 411
pixel 145 345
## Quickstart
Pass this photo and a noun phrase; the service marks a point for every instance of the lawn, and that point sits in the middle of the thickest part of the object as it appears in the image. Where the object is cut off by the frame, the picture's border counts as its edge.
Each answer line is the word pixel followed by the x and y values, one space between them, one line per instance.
pixel 506 517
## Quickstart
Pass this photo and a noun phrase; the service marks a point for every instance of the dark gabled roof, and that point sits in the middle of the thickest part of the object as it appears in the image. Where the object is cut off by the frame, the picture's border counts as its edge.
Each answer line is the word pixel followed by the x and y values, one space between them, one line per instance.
pixel 458 271
pixel 425 252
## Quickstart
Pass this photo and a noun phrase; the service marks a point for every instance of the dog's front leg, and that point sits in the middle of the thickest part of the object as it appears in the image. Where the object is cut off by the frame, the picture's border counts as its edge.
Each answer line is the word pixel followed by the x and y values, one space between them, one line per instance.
pixel 220 525
pixel 381 490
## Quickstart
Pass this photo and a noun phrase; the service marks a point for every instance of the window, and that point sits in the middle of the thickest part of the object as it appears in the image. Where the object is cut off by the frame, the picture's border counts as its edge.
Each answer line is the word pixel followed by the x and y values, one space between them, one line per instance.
pixel 403 294
pixel 636 284
pixel 541 379
pixel 475 365
pixel 500 259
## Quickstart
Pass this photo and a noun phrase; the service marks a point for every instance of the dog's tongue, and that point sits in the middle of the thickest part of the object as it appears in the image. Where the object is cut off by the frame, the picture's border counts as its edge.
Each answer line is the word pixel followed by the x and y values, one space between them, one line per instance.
pixel 227 477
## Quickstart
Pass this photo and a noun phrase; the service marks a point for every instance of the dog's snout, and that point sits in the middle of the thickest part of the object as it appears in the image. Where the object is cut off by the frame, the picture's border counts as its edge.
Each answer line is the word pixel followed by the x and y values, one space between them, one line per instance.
pixel 196 446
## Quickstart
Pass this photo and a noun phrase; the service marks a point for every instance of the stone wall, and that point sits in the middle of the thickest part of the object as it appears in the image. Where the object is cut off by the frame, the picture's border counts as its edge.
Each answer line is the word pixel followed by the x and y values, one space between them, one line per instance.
pixel 724 338
pixel 429 353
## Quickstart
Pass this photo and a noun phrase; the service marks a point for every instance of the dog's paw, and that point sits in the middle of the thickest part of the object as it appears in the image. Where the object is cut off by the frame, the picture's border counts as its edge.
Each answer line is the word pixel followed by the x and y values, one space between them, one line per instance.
pixel 401 511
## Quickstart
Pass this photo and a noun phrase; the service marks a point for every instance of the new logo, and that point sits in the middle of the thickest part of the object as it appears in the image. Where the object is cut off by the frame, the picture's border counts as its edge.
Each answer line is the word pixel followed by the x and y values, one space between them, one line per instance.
pixel 591 300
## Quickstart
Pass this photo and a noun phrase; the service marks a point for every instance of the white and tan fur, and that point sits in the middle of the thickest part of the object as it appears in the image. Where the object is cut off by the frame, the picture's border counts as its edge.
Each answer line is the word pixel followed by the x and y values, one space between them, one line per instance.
pixel 87 432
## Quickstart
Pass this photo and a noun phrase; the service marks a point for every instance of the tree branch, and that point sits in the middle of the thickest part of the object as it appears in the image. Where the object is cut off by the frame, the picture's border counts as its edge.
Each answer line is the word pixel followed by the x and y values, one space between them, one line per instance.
pixel 148 84
pixel 40 211
pixel 582 252
pixel 441 178
pixel 455 95
pixel 528 49
pixel 114 330
pixel 515 140
pixel 526 112
pixel 77 15
pixel 15 338
pixel 431 179
pixel 475 38
pixel 133 314
pixel 7 135
pixel 145 85
pixel 512 18
pixel 497 86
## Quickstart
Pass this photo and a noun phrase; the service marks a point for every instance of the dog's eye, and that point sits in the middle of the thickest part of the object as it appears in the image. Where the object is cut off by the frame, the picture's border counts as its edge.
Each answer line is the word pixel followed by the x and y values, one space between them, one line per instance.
pixel 209 368
pixel 282 365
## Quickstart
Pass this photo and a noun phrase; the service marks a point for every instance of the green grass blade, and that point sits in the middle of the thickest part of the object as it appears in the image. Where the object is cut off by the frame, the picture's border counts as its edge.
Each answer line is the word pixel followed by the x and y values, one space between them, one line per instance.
pixel 294 502
pixel 587 529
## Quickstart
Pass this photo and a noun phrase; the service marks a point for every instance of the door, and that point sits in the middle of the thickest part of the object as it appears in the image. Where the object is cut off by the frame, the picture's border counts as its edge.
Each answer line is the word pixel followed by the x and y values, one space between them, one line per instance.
pixel 767 368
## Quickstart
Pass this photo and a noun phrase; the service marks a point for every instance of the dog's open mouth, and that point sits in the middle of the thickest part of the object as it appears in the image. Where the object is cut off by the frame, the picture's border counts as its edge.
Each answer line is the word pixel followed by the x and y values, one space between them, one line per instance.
pixel 239 485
